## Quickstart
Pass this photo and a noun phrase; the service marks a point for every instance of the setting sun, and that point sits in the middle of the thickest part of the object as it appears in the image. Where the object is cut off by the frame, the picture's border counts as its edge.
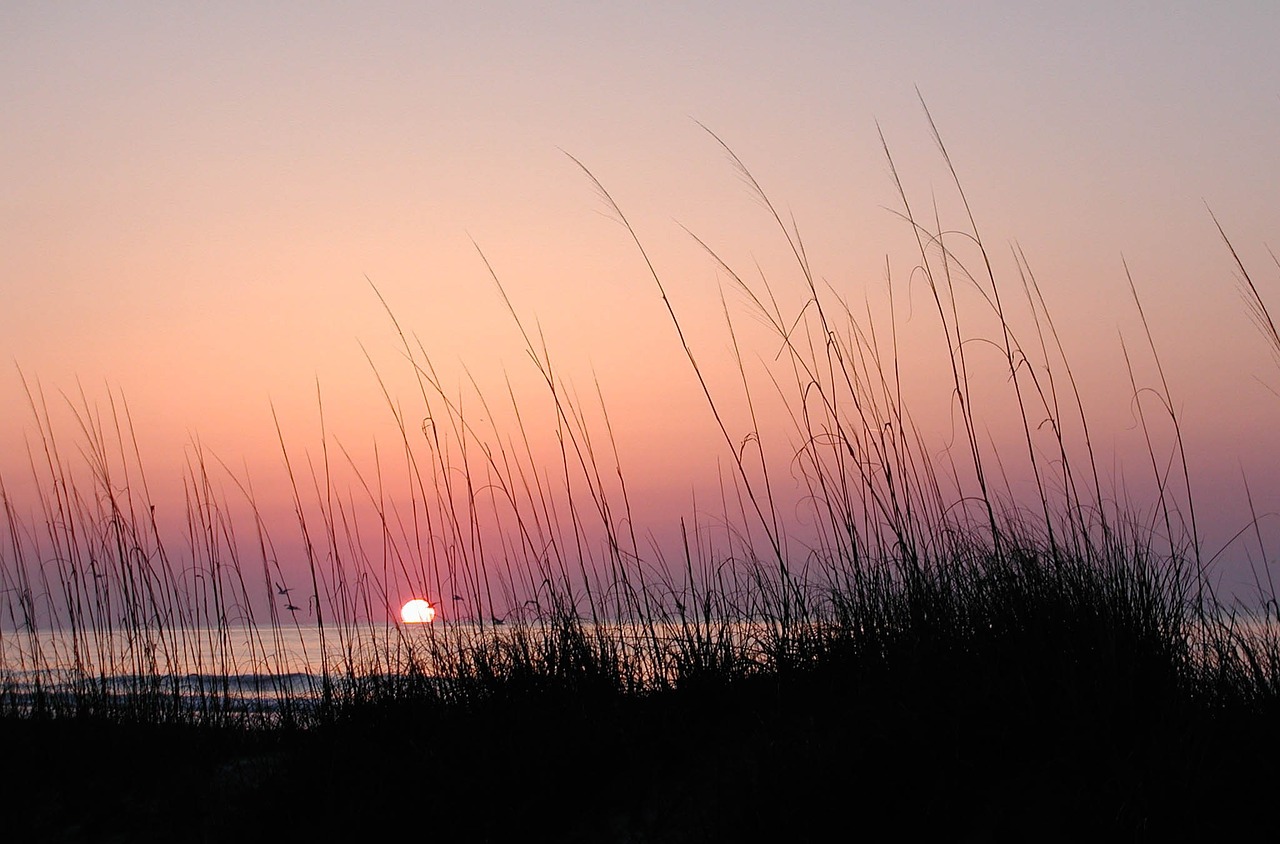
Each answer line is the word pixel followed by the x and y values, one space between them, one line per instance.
pixel 417 611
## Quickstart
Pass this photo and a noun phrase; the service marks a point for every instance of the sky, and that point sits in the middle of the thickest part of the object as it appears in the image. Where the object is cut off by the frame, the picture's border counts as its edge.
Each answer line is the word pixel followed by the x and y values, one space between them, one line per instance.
pixel 202 204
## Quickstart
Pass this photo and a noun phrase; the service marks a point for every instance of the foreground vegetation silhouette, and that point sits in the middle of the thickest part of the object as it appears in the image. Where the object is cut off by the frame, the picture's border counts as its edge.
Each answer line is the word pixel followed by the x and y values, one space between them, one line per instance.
pixel 933 655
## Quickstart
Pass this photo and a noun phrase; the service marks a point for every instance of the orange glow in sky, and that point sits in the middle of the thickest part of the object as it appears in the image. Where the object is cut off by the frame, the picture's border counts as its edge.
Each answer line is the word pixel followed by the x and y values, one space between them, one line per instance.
pixel 196 198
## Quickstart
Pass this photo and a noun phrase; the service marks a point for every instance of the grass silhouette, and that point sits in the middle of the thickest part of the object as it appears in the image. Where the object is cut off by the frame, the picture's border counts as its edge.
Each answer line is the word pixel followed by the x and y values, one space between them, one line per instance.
pixel 936 655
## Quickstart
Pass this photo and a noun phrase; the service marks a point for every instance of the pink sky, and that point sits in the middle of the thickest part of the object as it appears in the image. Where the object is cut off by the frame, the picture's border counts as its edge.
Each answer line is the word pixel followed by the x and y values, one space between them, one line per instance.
pixel 193 198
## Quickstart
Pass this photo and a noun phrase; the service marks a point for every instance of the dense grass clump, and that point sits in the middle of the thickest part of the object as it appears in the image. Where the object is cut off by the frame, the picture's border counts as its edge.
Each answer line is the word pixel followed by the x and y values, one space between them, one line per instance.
pixel 912 648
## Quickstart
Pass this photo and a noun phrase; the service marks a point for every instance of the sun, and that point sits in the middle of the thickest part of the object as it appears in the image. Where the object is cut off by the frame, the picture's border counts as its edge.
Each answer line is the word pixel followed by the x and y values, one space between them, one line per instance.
pixel 417 611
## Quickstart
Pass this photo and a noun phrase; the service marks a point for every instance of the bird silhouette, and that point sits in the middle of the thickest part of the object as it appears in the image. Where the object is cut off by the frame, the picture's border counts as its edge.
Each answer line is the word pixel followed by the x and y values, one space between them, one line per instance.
pixel 292 608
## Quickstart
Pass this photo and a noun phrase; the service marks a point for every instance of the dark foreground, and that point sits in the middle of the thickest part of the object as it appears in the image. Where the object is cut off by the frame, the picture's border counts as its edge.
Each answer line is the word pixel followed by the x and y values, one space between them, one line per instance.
pixel 955 747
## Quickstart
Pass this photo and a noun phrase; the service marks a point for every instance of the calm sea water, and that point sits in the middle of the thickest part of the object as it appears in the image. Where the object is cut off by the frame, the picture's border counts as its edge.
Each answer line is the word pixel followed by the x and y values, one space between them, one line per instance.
pixel 252 666
pixel 259 667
